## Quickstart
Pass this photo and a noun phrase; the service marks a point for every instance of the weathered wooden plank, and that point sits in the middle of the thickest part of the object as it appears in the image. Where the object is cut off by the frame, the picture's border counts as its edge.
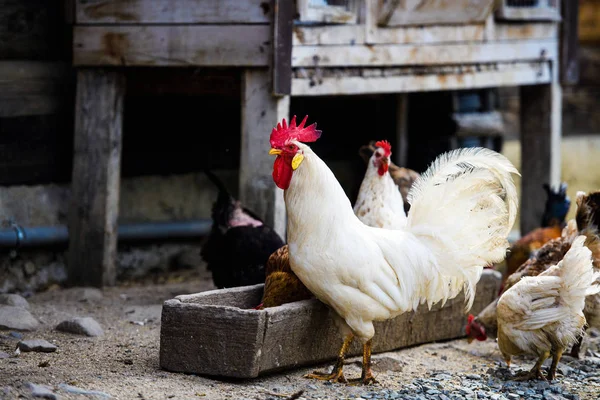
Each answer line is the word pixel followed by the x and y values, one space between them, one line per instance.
pixel 194 328
pixel 173 12
pixel 96 174
pixel 569 43
pixel 160 45
pixel 469 77
pixel 540 116
pixel 473 33
pixel 524 31
pixel 282 49
pixel 429 12
pixel 33 88
pixel 381 55
pixel 30 30
pixel 261 111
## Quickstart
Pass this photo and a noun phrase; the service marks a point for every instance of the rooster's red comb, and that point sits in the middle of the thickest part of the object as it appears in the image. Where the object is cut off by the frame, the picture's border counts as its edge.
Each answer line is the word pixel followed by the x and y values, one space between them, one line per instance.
pixel 470 318
pixel 284 133
pixel 386 146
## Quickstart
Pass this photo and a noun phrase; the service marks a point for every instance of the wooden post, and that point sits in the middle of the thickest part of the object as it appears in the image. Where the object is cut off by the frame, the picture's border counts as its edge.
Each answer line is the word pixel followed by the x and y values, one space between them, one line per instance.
pixel 283 26
pixel 569 43
pixel 401 151
pixel 260 113
pixel 96 174
pixel 541 108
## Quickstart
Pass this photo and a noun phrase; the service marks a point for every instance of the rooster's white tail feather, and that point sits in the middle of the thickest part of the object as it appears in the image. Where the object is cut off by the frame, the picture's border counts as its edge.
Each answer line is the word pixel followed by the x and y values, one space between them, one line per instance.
pixel 463 207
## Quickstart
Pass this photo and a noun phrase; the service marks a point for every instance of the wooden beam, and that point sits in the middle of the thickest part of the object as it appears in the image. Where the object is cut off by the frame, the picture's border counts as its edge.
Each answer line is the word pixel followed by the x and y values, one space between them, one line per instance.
pixel 283 25
pixel 173 12
pixel 172 45
pixel 33 88
pixel 260 113
pixel 569 43
pixel 95 185
pixel 383 55
pixel 351 35
pixel 401 151
pixel 398 80
pixel 540 115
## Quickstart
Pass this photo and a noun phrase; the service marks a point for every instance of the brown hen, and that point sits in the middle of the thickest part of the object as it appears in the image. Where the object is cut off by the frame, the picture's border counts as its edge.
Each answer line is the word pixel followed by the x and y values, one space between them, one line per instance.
pixel 281 284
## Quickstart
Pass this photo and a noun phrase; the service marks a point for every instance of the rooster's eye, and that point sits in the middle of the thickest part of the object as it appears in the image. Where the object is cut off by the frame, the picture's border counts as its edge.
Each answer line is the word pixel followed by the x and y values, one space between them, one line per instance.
pixel 377 155
pixel 291 147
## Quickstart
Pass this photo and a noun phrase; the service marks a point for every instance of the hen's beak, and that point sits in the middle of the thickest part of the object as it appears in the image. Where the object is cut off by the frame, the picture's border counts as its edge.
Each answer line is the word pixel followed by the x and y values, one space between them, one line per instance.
pixel 469 339
pixel 274 152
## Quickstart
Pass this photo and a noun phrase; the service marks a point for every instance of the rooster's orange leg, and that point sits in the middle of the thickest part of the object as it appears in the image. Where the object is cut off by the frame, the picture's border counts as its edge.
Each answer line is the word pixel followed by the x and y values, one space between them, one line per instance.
pixel 555 359
pixel 336 375
pixel 536 371
pixel 367 375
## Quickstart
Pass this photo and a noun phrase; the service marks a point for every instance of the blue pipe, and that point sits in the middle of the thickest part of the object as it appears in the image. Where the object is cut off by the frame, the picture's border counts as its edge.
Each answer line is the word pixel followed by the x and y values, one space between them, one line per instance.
pixel 18 236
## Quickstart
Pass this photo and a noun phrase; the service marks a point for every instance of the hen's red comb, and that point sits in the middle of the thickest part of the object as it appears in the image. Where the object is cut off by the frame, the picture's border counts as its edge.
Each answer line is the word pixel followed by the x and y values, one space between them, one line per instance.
pixel 283 133
pixel 470 318
pixel 386 146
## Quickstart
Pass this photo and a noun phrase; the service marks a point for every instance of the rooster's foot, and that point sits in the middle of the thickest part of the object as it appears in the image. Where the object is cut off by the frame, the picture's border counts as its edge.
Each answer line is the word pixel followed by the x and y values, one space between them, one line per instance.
pixel 369 379
pixel 529 375
pixel 335 376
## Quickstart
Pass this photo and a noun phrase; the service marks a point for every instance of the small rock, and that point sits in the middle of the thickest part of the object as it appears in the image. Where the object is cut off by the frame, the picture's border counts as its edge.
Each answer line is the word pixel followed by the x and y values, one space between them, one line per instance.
pixel 17 318
pixel 37 345
pixel 86 294
pixel 42 391
pixel 513 396
pixel 44 364
pixel 14 300
pixel 4 355
pixel 16 335
pixel 76 390
pixel 81 326
pixel 565 369
pixel 473 376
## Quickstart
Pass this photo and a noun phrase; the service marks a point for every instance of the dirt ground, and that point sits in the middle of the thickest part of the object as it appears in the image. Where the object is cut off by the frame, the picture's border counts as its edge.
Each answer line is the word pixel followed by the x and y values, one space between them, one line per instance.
pixel 123 363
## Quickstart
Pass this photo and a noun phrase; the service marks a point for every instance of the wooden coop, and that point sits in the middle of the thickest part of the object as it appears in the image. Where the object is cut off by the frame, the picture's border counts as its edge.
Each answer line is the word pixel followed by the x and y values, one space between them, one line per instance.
pixel 283 48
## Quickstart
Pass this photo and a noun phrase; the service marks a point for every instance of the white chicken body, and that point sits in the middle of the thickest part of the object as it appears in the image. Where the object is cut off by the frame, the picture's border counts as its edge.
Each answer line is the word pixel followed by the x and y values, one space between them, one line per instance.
pixel 544 313
pixel 462 212
pixel 379 202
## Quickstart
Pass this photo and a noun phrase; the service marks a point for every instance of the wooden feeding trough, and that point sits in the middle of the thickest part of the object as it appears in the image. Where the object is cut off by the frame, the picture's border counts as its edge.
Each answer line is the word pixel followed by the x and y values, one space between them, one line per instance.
pixel 218 333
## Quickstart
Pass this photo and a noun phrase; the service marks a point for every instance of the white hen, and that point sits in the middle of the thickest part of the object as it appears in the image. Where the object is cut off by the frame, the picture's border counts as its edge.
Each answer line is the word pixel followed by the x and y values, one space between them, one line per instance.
pixel 543 315
pixel 379 202
pixel 462 210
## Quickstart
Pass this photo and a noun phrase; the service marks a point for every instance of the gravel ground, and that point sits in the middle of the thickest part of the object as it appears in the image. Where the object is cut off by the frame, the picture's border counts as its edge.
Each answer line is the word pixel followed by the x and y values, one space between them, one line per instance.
pixel 123 363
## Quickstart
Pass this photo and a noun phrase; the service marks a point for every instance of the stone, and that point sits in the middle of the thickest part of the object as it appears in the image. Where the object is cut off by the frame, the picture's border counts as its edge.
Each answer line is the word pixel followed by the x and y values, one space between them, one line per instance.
pixel 37 345
pixel 77 390
pixel 42 391
pixel 87 294
pixel 81 326
pixel 17 318
pixel 14 300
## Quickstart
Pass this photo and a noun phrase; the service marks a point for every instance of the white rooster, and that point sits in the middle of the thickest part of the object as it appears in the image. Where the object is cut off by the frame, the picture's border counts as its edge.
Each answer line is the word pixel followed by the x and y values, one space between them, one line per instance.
pixel 462 210
pixel 379 202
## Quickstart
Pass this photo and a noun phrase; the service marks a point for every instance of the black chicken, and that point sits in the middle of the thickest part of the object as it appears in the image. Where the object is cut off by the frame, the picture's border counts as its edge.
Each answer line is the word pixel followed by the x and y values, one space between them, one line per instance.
pixel 239 243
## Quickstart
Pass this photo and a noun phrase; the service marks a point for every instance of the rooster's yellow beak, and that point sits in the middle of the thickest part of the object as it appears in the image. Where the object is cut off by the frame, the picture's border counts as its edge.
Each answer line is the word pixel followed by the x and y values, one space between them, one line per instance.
pixel 274 152
pixel 469 339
